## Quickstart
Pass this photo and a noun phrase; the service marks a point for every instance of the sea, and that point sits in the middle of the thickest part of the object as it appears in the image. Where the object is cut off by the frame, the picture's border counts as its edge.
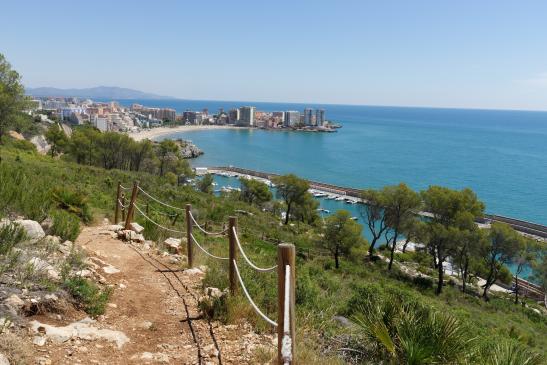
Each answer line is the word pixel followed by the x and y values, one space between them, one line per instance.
pixel 500 154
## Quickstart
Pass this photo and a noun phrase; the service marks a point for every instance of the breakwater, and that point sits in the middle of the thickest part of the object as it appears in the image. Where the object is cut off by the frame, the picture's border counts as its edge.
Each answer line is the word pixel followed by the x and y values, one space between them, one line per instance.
pixel 534 229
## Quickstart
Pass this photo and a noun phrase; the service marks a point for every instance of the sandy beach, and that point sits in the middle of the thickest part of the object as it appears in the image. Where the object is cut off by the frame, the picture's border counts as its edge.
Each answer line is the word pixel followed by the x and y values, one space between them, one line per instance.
pixel 161 131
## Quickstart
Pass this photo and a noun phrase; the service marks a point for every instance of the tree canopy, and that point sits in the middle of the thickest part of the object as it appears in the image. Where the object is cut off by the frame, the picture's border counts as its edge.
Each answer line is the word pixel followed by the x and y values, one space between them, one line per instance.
pixel 341 234
pixel 292 190
pixel 254 191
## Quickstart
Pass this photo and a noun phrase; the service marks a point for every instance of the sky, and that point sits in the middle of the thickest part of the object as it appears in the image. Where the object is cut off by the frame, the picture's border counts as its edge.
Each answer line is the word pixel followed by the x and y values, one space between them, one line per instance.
pixel 466 53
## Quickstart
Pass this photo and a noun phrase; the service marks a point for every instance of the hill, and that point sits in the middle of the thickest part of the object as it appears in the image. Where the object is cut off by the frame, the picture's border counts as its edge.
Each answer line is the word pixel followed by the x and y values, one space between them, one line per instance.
pixel 100 92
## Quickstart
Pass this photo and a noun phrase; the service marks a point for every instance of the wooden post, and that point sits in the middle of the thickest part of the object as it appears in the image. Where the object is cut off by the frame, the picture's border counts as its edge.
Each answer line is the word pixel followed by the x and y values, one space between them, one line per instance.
pixel 285 256
pixel 117 209
pixel 131 208
pixel 189 246
pixel 123 208
pixel 232 223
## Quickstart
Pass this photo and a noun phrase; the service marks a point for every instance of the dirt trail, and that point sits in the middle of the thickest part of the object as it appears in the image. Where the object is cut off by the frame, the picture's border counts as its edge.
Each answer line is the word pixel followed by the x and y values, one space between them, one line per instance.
pixel 157 311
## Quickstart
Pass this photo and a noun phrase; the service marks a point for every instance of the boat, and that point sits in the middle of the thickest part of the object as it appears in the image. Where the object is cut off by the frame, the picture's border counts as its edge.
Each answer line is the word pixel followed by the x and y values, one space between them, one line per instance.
pixel 354 218
pixel 340 198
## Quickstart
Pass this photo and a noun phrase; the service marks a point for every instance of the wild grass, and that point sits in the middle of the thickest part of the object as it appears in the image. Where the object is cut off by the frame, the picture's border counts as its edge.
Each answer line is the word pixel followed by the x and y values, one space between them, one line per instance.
pixel 92 298
pixel 65 225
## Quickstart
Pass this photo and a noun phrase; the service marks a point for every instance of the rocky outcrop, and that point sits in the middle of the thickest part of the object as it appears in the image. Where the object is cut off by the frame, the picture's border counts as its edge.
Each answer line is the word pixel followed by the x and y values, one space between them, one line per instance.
pixel 189 150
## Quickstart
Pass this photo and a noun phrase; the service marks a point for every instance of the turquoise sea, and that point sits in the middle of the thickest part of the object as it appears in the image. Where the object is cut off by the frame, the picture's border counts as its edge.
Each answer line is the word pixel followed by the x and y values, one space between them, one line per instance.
pixel 502 155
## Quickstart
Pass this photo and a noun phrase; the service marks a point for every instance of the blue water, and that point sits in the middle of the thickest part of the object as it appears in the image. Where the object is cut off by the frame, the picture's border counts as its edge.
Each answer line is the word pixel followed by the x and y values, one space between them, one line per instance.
pixel 501 155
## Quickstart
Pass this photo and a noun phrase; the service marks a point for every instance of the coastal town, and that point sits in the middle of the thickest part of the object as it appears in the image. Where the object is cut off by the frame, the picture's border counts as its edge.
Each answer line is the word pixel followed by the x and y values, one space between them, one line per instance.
pixel 112 116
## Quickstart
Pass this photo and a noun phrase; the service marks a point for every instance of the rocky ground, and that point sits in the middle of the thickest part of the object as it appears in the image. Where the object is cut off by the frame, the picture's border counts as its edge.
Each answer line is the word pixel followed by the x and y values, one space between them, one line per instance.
pixel 152 315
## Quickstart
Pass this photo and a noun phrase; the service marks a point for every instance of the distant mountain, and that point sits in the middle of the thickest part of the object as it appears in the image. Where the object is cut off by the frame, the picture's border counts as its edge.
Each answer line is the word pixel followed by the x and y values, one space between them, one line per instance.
pixel 99 92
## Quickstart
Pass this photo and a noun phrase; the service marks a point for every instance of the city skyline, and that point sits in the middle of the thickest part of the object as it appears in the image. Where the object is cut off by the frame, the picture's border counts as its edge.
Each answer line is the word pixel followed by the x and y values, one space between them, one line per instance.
pixel 486 55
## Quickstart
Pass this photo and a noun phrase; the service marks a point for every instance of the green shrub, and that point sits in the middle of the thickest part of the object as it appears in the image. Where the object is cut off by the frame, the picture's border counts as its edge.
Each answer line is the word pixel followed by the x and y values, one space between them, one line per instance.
pixel 10 235
pixel 73 202
pixel 90 297
pixel 65 225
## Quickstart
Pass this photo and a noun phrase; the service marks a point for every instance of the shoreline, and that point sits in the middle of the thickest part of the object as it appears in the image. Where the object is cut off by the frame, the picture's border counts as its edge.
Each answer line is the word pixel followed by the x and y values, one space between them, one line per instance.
pixel 162 131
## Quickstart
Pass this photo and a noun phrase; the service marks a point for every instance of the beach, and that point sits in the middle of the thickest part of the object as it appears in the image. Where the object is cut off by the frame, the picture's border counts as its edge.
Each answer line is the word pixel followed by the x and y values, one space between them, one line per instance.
pixel 162 131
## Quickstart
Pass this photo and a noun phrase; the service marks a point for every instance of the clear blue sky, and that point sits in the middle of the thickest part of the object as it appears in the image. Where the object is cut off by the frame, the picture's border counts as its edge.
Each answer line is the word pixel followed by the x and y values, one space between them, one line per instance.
pixel 480 54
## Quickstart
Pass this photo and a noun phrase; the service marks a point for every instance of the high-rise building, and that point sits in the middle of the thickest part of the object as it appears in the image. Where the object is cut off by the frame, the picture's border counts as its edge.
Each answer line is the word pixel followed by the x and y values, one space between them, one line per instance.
pixel 320 117
pixel 233 116
pixel 308 116
pixel 247 116
pixel 292 118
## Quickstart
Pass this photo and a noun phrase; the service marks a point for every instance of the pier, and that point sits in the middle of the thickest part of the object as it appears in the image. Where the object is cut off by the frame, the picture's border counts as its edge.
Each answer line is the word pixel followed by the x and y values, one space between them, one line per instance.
pixel 529 228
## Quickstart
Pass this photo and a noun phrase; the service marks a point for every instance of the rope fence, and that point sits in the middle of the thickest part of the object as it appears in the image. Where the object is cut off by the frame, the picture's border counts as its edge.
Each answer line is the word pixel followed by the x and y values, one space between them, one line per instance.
pixel 285 266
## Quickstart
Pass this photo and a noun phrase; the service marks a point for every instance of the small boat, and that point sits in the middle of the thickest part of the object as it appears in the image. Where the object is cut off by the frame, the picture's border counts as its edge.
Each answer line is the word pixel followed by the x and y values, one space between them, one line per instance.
pixel 354 218
pixel 340 198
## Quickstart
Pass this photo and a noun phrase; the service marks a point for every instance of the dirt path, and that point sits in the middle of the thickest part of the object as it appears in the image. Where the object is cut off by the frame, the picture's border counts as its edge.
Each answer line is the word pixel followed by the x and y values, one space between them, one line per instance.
pixel 156 310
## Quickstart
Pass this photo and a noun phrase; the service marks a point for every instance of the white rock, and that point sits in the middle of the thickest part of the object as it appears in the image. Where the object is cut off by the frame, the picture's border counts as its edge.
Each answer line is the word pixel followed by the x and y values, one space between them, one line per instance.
pixel 84 273
pixel 39 340
pixel 137 238
pixel 82 330
pixel 4 360
pixel 51 297
pixel 14 301
pixel 110 269
pixel 114 227
pixel 213 292
pixel 146 325
pixel 173 244
pixel 33 229
pixel 193 271
pixel 137 228
pixel 44 266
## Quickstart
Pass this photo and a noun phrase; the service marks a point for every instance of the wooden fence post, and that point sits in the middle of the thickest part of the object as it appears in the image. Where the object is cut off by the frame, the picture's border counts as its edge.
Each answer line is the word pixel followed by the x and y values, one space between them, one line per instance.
pixel 117 209
pixel 131 208
pixel 189 247
pixel 285 256
pixel 232 223
pixel 123 207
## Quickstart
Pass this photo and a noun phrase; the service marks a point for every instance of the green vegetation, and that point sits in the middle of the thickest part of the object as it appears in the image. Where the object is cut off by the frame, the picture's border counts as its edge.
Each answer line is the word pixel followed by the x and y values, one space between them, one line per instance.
pixel 255 192
pixel 88 294
pixel 397 316
pixel 65 225
pixel 205 184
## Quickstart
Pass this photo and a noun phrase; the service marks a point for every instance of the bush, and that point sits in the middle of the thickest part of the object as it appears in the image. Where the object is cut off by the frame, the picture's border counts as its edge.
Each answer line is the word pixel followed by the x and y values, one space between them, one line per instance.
pixel 90 297
pixel 10 235
pixel 73 202
pixel 65 225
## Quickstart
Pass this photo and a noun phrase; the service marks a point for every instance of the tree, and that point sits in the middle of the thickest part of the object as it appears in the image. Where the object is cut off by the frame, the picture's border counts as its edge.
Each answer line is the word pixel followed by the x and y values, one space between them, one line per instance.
pixel 341 234
pixel 167 150
pixel 254 191
pixel 57 138
pixel 372 213
pixel 292 190
pixel 305 211
pixel 412 230
pixel 400 205
pixel 205 185
pixel 12 96
pixel 525 255
pixel 500 249
pixel 540 275
pixel 453 212
pixel 466 251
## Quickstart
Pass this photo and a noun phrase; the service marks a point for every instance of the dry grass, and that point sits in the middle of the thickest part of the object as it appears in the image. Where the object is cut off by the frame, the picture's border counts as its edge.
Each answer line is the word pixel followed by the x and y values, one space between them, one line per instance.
pixel 17 349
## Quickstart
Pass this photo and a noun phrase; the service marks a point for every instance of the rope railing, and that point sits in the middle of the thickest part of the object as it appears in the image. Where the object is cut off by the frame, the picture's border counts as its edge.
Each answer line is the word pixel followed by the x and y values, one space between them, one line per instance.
pixel 159 201
pixel 156 223
pixel 253 304
pixel 123 187
pixel 205 231
pixel 259 269
pixel 285 323
pixel 205 251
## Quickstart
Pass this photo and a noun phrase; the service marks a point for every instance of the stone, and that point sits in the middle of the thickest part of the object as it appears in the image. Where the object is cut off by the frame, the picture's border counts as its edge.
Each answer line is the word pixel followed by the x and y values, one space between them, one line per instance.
pixel 33 229
pixel 172 244
pixel 4 360
pixel 44 266
pixel 193 271
pixel 152 356
pixel 114 227
pixel 342 321
pixel 137 238
pixel 14 301
pixel 146 325
pixel 39 340
pixel 210 350
pixel 51 297
pixel 213 292
pixel 81 329
pixel 84 273
pixel 110 269
pixel 137 228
